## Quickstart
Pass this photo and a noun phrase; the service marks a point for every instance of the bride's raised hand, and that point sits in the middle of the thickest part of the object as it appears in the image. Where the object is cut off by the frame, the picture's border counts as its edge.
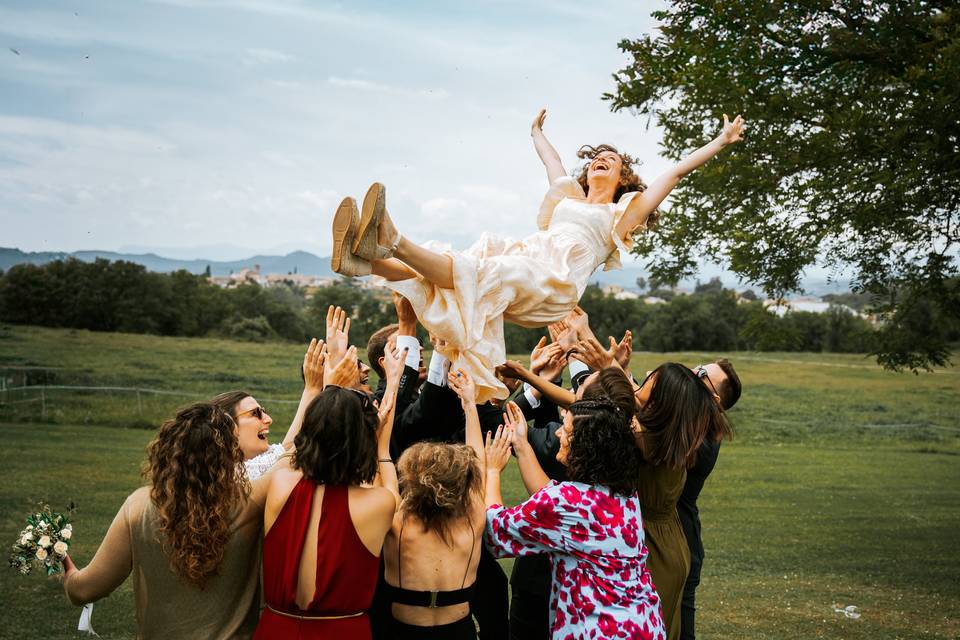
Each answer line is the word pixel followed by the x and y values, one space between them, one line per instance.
pixel 537 126
pixel 732 131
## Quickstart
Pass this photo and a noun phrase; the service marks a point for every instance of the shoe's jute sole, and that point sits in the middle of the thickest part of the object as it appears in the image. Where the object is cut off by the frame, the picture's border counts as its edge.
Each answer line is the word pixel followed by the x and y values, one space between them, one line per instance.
pixel 370 214
pixel 343 220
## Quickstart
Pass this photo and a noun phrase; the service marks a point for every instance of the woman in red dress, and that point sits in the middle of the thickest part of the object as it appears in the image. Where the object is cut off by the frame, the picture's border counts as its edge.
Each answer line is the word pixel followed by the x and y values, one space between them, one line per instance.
pixel 324 522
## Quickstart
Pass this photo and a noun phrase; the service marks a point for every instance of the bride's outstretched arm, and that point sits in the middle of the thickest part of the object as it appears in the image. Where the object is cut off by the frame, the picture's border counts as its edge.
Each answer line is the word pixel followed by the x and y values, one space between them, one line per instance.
pixel 644 204
pixel 549 155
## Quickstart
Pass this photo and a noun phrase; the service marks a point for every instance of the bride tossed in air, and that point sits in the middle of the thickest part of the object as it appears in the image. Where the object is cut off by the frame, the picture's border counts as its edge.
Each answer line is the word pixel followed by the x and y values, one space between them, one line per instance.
pixel 463 297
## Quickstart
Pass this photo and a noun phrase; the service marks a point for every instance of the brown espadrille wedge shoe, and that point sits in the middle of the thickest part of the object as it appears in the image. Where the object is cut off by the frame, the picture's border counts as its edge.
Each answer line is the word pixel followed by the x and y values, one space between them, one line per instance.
pixel 366 244
pixel 345 222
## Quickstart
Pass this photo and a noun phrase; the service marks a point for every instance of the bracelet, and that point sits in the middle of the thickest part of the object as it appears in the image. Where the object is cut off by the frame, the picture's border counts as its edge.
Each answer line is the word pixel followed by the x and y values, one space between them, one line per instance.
pixel 385 460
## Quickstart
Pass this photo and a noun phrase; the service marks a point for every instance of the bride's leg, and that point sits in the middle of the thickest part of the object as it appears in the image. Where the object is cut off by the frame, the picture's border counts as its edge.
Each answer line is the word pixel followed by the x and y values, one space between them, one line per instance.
pixel 392 269
pixel 435 267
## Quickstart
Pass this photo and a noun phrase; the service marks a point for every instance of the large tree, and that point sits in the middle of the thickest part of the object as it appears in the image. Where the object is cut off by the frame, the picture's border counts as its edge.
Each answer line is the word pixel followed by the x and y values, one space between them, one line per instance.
pixel 850 160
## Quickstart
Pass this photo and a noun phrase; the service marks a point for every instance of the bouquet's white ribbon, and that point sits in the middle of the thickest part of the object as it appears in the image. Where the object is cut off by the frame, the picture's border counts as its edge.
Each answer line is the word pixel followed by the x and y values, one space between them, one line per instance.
pixel 86 620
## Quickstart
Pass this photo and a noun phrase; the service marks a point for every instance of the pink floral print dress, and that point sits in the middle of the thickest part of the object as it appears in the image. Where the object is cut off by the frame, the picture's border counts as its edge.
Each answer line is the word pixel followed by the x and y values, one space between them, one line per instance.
pixel 601 585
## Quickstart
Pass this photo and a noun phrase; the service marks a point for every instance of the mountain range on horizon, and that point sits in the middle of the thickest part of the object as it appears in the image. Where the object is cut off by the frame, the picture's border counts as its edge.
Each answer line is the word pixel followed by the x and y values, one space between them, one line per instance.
pixel 294 262
pixel 306 263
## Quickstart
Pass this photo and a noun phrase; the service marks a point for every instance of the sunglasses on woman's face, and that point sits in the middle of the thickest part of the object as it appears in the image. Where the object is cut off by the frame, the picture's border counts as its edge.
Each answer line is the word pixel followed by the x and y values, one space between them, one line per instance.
pixel 257 412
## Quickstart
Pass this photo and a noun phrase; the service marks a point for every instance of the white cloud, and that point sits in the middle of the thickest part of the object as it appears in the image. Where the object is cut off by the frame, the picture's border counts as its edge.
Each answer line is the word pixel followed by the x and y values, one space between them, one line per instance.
pixel 252 137
pixel 266 56
pixel 66 134
pixel 366 85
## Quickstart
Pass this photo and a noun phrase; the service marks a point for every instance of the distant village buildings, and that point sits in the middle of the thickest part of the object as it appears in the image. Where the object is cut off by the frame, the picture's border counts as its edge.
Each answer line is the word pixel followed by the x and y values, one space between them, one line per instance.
pixel 254 276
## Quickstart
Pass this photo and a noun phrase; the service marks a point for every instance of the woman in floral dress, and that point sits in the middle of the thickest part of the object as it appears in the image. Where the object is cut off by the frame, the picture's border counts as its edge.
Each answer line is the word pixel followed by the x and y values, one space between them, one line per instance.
pixel 590 526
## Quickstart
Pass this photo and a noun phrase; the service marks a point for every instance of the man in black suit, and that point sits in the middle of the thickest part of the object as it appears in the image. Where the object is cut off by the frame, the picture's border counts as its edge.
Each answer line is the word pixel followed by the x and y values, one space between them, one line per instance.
pixel 434 413
pixel 400 336
pixel 724 383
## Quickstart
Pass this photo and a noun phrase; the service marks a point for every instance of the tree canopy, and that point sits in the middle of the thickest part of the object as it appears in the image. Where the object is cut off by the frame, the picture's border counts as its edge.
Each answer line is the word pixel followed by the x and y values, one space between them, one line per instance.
pixel 851 153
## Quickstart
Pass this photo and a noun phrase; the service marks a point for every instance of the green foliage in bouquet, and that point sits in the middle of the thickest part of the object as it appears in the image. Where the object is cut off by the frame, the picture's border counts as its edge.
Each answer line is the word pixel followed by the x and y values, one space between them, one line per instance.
pixel 44 542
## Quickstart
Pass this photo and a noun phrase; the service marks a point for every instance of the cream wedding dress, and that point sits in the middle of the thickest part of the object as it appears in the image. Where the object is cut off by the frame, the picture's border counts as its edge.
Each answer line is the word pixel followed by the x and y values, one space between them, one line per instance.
pixel 531 282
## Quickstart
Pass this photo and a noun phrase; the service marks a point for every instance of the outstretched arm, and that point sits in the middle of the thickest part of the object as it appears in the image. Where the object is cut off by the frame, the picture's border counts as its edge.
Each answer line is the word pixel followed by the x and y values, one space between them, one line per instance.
pixel 644 204
pixel 497 456
pixel 313 362
pixel 531 472
pixel 463 385
pixel 557 395
pixel 386 470
pixel 548 155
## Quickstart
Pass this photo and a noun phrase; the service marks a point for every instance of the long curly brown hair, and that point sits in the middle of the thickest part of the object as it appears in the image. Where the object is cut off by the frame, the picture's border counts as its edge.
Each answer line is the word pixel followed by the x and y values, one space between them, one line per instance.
pixel 438 484
pixel 195 468
pixel 629 180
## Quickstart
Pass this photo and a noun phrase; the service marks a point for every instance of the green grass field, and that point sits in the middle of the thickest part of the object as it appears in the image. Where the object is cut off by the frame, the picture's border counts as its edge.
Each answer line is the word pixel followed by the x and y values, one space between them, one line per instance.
pixel 841 487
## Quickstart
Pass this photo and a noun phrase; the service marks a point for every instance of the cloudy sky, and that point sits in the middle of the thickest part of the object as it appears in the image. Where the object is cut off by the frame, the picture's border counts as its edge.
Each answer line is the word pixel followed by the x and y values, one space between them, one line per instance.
pixel 234 125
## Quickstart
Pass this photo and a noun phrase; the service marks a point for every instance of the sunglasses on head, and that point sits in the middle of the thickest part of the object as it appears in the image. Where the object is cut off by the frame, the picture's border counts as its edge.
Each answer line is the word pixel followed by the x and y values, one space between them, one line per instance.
pixel 364 397
pixel 701 372
pixel 257 412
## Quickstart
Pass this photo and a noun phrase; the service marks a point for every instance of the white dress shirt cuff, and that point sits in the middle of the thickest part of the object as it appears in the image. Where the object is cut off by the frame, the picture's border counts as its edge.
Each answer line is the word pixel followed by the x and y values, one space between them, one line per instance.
pixel 529 395
pixel 413 355
pixel 576 367
pixel 439 368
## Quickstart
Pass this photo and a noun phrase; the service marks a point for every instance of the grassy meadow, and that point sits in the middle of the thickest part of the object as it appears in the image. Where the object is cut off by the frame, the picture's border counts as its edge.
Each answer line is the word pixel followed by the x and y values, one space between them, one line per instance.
pixel 841 487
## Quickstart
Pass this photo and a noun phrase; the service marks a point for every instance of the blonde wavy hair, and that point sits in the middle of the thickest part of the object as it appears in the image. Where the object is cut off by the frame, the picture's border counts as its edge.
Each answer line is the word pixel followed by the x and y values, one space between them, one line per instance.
pixel 439 483
pixel 629 180
pixel 195 468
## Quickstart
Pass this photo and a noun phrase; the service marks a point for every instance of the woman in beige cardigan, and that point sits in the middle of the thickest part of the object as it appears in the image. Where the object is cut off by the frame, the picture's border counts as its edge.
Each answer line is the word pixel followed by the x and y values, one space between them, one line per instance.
pixel 192 538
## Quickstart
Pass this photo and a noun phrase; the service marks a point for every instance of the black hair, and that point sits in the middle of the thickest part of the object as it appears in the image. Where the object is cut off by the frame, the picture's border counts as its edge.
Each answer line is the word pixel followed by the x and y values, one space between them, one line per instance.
pixel 602 447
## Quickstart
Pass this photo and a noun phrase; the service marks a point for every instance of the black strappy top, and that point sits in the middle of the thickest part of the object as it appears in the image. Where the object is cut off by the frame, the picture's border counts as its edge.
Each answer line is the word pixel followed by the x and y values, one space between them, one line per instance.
pixel 431 599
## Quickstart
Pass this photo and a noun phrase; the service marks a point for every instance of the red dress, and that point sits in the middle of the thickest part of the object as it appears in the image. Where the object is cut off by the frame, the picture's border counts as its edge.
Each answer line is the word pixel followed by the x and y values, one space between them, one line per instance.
pixel 346 571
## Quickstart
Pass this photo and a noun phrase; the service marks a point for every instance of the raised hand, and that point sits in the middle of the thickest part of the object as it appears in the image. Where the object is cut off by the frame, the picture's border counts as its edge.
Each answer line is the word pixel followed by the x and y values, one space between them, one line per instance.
pixel 393 363
pixel 497 450
pixel 512 369
pixel 462 384
pixel 345 373
pixel 338 333
pixel 547 361
pixel 516 425
pixel 625 350
pixel 562 334
pixel 539 356
pixel 592 354
pixel 313 361
pixel 406 317
pixel 537 125
pixel 732 131
pixel 558 360
pixel 579 322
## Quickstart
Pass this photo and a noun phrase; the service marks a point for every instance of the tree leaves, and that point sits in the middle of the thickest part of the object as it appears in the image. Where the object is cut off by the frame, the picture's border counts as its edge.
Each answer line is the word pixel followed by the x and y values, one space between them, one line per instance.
pixel 852 156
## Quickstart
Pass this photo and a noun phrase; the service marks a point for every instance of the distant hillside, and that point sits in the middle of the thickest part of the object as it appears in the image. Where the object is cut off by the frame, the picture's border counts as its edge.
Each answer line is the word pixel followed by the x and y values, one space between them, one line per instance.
pixel 309 264
pixel 298 261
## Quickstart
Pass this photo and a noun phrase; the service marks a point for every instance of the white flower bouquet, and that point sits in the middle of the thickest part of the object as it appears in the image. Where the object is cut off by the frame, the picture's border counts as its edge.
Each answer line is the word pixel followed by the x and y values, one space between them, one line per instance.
pixel 43 544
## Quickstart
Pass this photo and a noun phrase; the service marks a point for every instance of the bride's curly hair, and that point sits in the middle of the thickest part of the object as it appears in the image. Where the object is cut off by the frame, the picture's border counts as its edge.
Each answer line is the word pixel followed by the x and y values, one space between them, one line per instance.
pixel 195 468
pixel 629 180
